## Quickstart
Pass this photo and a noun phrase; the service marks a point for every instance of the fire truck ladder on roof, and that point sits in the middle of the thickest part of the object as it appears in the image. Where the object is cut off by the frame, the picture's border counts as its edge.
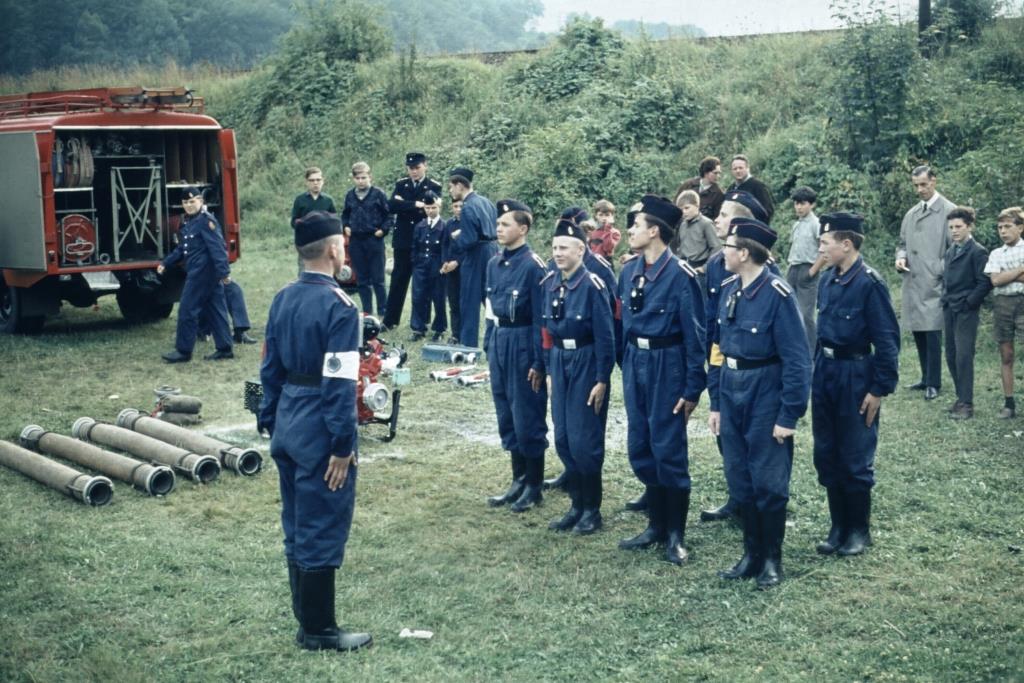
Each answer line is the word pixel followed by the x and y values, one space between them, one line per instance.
pixel 137 200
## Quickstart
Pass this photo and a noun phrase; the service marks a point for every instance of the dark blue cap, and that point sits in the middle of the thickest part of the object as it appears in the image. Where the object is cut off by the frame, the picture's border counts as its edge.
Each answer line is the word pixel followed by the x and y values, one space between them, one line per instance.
pixel 842 220
pixel 750 201
pixel 415 158
pixel 568 224
pixel 430 198
pixel 461 174
pixel 316 225
pixel 753 229
pixel 661 208
pixel 506 205
pixel 191 192
pixel 631 214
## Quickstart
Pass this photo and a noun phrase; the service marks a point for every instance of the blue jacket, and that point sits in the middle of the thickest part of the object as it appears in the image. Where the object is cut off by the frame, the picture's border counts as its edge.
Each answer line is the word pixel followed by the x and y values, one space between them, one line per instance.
pixel 426 246
pixel 201 247
pixel 450 251
pixel 367 215
pixel 403 205
pixel 514 294
pixel 584 313
pixel 479 222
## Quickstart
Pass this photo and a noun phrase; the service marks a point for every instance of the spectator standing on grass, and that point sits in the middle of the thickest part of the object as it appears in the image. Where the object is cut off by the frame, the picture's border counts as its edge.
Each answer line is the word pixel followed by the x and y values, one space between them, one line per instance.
pixel 313 199
pixel 366 218
pixel 745 182
pixel 856 364
pixel 804 260
pixel 964 286
pixel 309 374
pixel 924 239
pixel 605 237
pixel 1005 267
pixel 706 187
pixel 696 241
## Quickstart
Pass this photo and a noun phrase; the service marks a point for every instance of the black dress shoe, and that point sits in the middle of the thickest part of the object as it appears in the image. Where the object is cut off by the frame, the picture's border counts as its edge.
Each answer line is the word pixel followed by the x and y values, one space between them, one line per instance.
pixel 243 337
pixel 931 393
pixel 437 336
pixel 566 521
pixel 918 386
pixel 416 336
pixel 176 357
pixel 220 355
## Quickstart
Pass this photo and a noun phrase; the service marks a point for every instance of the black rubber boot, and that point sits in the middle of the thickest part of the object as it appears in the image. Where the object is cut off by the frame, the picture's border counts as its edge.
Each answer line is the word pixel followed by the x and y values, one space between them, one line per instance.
pixel 559 482
pixel 720 513
pixel 837 533
pixel 293 582
pixel 676 504
pixel 773 530
pixel 591 520
pixel 534 484
pixel 518 483
pixel 574 487
pixel 655 531
pixel 749 565
pixel 321 632
pixel 858 510
pixel 639 504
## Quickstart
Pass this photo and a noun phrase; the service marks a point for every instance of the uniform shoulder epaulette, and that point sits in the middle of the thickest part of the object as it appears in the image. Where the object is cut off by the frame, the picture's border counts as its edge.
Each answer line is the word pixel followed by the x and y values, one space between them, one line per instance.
pixel 602 260
pixel 212 225
pixel 547 277
pixel 344 297
pixel 538 260
pixel 781 287
pixel 729 279
pixel 687 268
pixel 598 282
pixel 873 274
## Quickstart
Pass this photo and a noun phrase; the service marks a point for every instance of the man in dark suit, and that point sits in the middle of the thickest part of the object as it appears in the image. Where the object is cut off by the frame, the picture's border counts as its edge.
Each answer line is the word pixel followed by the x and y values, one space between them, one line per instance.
pixel 706 187
pixel 964 287
pixel 407 205
pixel 744 182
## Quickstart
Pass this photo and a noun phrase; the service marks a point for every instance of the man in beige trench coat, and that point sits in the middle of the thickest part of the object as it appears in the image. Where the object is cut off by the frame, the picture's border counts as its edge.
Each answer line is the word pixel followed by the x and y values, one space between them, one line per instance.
pixel 924 239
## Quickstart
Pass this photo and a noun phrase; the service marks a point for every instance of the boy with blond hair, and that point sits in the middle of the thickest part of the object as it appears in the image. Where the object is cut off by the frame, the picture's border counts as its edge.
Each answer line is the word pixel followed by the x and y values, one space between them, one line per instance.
pixel 1005 267
pixel 367 219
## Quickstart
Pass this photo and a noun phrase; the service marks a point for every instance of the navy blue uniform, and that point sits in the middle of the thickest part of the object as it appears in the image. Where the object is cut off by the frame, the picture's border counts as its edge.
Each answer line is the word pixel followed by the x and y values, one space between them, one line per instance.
pixel 759 325
pixel 201 247
pixel 364 217
pixel 403 205
pixel 450 251
pixel 662 361
pixel 234 299
pixel 309 374
pixel 579 346
pixel 515 298
pixel 858 349
pixel 476 240
pixel 428 285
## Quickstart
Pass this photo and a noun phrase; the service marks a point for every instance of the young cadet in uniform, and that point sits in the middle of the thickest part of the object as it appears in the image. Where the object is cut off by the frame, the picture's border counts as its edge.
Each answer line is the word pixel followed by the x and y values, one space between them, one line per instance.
pixel 309 374
pixel 205 256
pixel 427 280
pixel 451 257
pixel 735 205
pixel 515 354
pixel 407 205
pixel 757 395
pixel 855 366
pixel 599 266
pixel 579 347
pixel 662 371
pixel 367 220
pixel 475 238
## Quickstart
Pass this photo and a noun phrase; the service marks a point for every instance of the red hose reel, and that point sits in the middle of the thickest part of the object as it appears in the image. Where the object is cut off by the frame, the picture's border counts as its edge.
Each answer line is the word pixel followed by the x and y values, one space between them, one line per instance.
pixel 78 238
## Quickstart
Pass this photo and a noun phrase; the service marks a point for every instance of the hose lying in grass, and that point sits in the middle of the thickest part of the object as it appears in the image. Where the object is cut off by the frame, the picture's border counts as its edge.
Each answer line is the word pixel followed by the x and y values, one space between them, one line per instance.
pixel 83 487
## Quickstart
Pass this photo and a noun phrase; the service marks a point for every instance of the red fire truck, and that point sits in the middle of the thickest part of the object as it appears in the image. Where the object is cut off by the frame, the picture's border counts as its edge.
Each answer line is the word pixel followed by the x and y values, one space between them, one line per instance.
pixel 89 197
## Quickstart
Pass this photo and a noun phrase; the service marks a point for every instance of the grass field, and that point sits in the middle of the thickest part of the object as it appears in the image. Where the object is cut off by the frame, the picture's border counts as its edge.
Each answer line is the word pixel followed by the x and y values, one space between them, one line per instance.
pixel 193 586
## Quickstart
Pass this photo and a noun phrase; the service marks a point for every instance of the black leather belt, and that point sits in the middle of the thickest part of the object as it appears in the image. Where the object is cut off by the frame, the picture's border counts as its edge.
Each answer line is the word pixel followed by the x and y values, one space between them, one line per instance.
pixel 748 364
pixel 653 343
pixel 508 322
pixel 573 344
pixel 845 352
pixel 303 380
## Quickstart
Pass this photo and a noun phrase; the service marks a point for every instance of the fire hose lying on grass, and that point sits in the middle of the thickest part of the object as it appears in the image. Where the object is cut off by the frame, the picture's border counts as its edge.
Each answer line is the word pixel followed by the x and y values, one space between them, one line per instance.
pixel 156 480
pixel 83 487
pixel 246 461
pixel 199 468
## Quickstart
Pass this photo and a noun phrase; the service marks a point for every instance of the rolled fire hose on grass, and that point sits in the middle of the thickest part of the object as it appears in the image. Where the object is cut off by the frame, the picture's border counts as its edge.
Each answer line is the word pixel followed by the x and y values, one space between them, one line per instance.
pixel 246 461
pixel 83 487
pixel 156 480
pixel 199 468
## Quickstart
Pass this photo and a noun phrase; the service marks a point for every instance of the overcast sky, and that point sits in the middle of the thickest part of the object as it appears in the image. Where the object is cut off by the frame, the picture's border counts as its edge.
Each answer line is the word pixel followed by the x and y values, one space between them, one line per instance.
pixel 717 18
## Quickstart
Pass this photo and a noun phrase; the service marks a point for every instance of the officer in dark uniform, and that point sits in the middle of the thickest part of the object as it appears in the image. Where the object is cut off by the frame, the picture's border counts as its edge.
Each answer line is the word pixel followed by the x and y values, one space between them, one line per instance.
pixel 757 395
pixel 476 238
pixel 202 249
pixel 579 343
pixel 855 365
pixel 407 205
pixel 662 371
pixel 309 374
pixel 515 354
pixel 428 285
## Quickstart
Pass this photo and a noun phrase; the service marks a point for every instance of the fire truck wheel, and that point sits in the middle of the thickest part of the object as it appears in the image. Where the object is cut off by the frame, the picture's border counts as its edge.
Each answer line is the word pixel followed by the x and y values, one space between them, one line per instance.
pixel 137 307
pixel 12 320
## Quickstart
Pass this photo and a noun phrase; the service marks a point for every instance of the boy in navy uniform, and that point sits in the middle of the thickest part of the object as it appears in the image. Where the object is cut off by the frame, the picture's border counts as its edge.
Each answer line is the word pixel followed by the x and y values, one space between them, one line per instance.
pixel 476 239
pixel 855 366
pixel 662 371
pixel 309 374
pixel 579 347
pixel 515 354
pixel 427 280
pixel 757 395
pixel 451 257
pixel 407 205
pixel 366 218
pixel 201 246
